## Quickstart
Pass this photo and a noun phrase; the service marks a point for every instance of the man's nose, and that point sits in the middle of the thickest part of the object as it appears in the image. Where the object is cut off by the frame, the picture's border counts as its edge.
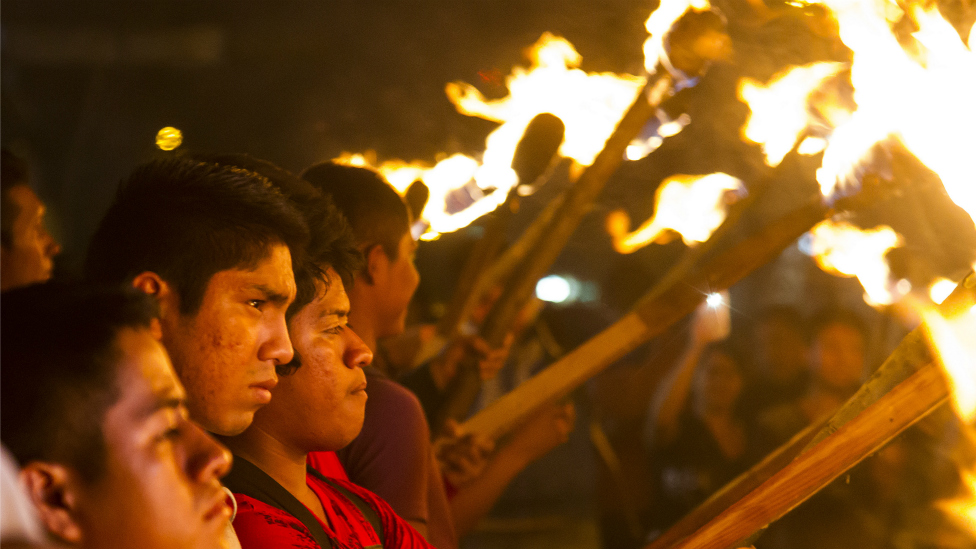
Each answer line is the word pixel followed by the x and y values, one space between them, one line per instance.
pixel 208 459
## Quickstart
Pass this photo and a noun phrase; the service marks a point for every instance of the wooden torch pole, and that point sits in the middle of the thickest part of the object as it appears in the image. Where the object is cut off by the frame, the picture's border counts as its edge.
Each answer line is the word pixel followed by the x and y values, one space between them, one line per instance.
pixel 702 40
pixel 651 316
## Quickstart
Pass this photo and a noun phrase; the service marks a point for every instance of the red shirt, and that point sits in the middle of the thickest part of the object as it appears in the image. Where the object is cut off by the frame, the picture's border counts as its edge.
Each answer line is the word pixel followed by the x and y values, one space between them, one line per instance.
pixel 328 464
pixel 261 526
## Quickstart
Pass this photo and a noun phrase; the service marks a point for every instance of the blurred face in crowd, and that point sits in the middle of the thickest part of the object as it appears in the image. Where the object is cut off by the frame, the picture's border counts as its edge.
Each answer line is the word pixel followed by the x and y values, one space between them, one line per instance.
pixel 159 487
pixel 29 258
pixel 838 356
pixel 225 354
pixel 781 351
pixel 397 282
pixel 718 383
pixel 320 406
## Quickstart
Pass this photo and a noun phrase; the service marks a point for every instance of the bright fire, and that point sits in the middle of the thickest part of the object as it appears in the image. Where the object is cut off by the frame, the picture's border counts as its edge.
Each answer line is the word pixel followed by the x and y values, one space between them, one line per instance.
pixel 779 109
pixel 463 188
pixel 843 249
pixel 691 205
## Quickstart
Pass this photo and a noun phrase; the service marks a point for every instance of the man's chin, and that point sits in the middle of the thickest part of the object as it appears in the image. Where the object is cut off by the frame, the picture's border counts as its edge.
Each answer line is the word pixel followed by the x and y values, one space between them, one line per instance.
pixel 231 427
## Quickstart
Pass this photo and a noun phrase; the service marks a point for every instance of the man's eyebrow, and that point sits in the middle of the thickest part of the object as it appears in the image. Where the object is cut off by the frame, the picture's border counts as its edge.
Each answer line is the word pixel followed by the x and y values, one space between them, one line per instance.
pixel 272 295
pixel 171 399
pixel 341 313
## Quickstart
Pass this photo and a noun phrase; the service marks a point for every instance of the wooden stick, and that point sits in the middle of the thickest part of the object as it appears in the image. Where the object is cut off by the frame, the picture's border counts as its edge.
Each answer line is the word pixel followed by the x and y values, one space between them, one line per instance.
pixel 650 317
pixel 533 157
pixel 814 469
pixel 912 352
pixel 466 384
pixel 694 41
pixel 737 489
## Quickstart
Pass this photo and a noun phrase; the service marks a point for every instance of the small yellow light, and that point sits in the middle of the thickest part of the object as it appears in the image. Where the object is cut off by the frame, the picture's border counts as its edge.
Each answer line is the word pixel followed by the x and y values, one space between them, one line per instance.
pixel 169 138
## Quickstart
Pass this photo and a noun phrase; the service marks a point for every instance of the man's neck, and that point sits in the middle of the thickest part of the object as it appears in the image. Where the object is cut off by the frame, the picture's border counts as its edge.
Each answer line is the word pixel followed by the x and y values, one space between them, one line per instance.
pixel 284 464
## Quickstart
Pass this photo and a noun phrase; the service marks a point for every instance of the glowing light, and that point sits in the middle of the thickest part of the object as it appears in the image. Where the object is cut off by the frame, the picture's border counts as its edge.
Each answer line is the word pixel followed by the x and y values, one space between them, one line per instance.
pixel 843 249
pixel 169 138
pixel 953 344
pixel 811 146
pixel 589 104
pixel 940 290
pixel 691 205
pixel 779 109
pixel 714 300
pixel 554 289
pixel 658 24
pixel 918 91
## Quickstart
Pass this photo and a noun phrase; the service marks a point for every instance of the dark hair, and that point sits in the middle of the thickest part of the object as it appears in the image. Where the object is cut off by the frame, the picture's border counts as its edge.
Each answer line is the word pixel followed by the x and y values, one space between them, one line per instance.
pixel 59 377
pixel 13 172
pixel 186 220
pixel 377 214
pixel 828 317
pixel 331 242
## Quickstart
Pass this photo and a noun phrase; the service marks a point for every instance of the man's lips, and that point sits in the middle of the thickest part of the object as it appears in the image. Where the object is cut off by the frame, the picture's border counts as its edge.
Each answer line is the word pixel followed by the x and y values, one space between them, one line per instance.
pixel 219 508
pixel 262 391
pixel 361 388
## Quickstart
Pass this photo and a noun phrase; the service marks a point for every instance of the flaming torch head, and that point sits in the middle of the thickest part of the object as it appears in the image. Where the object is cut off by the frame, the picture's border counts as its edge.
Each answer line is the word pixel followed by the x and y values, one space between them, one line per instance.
pixel 697 39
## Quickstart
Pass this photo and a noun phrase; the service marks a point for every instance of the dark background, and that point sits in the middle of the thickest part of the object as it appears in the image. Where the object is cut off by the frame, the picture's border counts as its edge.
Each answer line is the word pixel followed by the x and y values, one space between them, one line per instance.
pixel 86 86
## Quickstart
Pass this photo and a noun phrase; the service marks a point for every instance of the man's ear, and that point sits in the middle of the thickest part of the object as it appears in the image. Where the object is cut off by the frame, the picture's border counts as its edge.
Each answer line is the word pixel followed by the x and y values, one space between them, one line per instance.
pixel 53 489
pixel 151 283
pixel 377 264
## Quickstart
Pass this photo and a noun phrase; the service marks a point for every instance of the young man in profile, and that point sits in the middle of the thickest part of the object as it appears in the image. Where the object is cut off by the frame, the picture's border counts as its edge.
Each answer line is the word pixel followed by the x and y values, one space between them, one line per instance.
pixel 393 455
pixel 93 411
pixel 27 249
pixel 318 404
pixel 215 246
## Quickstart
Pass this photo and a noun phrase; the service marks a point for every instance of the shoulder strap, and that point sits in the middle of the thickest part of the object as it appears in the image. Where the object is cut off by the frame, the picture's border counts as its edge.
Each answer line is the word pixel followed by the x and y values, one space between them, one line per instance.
pixel 371 515
pixel 246 478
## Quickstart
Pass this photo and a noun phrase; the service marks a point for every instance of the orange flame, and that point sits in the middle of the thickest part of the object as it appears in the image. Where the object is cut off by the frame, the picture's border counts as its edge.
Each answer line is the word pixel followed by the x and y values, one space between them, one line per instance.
pixel 691 205
pixel 589 104
pixel 920 94
pixel 779 109
pixel 843 249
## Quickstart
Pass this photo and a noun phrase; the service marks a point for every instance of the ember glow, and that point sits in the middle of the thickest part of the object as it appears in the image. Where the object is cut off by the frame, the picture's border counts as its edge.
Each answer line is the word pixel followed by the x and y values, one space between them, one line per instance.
pixel 779 109
pixel 691 205
pixel 843 249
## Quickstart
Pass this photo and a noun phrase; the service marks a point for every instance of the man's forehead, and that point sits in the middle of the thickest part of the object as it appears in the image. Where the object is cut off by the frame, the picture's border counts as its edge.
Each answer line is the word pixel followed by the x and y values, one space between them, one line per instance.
pixel 273 273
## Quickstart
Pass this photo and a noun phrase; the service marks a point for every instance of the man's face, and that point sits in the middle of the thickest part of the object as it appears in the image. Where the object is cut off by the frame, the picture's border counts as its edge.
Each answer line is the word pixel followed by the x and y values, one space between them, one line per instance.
pixel 321 405
pixel 29 259
pixel 839 356
pixel 225 354
pixel 160 487
pixel 780 349
pixel 400 283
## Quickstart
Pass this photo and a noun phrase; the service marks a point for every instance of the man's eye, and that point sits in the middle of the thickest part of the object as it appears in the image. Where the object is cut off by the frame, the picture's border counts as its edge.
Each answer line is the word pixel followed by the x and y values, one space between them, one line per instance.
pixel 336 330
pixel 170 434
pixel 256 303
